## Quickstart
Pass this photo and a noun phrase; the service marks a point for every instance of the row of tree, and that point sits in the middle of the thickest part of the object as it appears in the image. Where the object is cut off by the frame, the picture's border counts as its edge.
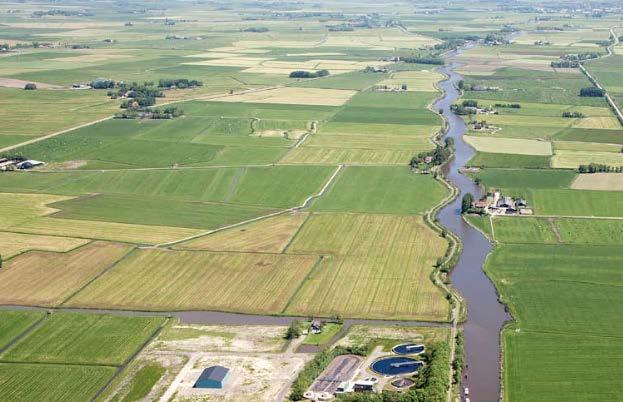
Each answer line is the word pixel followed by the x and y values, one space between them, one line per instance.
pixel 573 115
pixel 424 60
pixel 309 74
pixel 147 113
pixel 599 168
pixel 180 83
pixel 592 92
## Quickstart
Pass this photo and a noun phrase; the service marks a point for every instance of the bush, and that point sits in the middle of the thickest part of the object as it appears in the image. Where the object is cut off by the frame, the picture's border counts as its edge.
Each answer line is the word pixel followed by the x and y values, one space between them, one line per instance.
pixel 466 203
pixel 294 330
pixel 30 86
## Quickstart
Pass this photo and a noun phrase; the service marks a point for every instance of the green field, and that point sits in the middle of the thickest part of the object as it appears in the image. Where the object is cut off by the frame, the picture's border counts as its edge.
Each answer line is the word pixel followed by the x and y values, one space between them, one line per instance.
pixel 490 160
pixel 49 382
pixel 564 299
pixel 84 339
pixel 13 323
pixel 522 178
pixel 391 190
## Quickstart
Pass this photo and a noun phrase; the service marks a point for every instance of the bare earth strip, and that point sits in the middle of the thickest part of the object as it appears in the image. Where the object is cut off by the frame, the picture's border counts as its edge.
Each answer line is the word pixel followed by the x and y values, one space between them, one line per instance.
pixel 599 181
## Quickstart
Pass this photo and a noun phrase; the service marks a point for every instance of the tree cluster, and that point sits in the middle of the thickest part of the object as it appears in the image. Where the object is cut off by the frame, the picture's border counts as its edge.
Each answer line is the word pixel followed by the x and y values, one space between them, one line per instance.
pixel 573 115
pixel 102 83
pixel 138 95
pixel 436 157
pixel 294 330
pixel 309 74
pixel 592 92
pixel 466 203
pixel 181 83
pixel 30 86
pixel 599 168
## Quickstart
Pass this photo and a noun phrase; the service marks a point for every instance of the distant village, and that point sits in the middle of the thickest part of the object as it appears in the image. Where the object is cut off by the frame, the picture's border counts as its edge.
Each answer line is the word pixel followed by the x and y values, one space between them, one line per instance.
pixel 496 203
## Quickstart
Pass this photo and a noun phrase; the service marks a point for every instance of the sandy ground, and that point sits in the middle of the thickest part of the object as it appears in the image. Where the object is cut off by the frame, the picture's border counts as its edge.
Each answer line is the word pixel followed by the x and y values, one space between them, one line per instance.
pixel 13 83
pixel 262 364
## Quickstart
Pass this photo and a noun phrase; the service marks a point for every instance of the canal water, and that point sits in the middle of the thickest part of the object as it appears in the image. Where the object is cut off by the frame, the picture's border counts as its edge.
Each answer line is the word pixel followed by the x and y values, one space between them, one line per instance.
pixel 485 315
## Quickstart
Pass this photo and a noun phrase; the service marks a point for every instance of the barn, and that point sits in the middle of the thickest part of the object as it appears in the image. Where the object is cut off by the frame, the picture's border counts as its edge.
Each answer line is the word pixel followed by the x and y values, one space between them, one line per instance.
pixel 213 377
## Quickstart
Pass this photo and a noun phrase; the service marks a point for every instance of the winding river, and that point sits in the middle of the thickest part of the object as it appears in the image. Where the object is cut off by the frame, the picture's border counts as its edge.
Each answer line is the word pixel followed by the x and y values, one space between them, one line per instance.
pixel 486 315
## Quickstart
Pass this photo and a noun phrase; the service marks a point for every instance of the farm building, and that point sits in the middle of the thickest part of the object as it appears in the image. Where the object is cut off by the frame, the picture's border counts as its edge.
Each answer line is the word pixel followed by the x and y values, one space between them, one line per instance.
pixel 315 327
pixel 213 377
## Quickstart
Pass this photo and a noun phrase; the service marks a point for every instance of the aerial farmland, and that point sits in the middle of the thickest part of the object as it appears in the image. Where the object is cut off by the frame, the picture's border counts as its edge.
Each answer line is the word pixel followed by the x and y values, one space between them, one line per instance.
pixel 334 200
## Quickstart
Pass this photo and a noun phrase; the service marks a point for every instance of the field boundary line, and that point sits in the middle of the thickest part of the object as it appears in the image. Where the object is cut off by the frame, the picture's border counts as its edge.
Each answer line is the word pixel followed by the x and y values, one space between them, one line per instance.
pixel 313 269
pixel 131 358
pixel 25 333
pixel 593 80
pixel 304 205
pixel 54 134
pixel 492 229
pixel 295 234
pixel 96 277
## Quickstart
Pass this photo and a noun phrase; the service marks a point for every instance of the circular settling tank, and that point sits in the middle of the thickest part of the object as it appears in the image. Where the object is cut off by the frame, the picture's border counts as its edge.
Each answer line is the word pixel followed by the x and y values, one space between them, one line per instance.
pixel 403 383
pixel 408 349
pixel 396 365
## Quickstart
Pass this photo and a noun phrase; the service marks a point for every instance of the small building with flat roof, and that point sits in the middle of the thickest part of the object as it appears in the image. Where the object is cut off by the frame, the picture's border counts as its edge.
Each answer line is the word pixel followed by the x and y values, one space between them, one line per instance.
pixel 213 377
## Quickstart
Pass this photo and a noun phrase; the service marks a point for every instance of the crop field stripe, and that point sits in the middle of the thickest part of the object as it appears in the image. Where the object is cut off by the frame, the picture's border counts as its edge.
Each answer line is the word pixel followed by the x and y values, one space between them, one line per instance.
pixel 313 269
pixel 111 266
pixel 132 357
pixel 234 184
pixel 25 333
pixel 295 235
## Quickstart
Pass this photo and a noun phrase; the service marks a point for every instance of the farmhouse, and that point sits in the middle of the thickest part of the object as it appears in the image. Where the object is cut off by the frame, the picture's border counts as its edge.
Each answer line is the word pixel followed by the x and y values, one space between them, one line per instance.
pixel 495 203
pixel 315 327
pixel 213 377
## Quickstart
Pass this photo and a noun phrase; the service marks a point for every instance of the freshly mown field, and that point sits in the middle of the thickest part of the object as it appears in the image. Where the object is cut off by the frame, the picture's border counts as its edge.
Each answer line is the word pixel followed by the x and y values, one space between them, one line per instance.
pixel 509 146
pixel 270 235
pixel 185 280
pixel 599 181
pixel 16 243
pixel 376 266
pixel 51 382
pixel 564 299
pixel 13 323
pixel 76 338
pixel 44 278
pixel 391 190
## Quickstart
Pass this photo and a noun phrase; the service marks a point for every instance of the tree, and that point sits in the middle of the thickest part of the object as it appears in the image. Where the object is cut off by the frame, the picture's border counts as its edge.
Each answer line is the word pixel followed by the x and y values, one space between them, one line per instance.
pixel 30 86
pixel 461 84
pixel 466 203
pixel 294 330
